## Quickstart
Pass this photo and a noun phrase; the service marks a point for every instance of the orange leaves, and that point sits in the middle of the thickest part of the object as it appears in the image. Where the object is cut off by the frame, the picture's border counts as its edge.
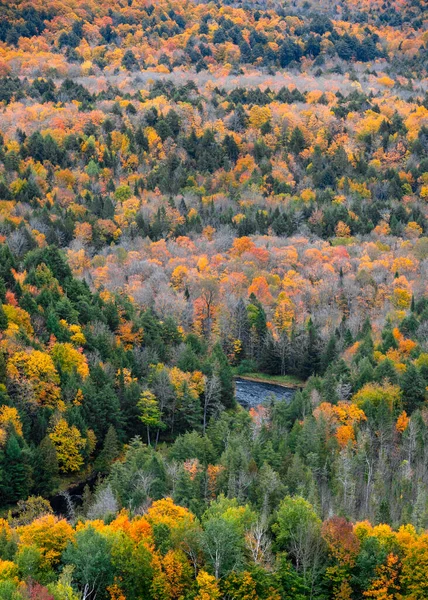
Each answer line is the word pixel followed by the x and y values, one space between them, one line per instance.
pixel 342 542
pixel 344 435
pixel 386 584
pixel 172 575
pixel 402 422
pixel 83 232
pixel 341 419
pixel 138 529
pixel 260 288
pixel 128 335
pixel 241 245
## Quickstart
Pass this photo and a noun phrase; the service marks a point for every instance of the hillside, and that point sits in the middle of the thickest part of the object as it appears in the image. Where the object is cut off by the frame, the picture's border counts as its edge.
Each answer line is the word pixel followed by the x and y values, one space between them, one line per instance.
pixel 192 191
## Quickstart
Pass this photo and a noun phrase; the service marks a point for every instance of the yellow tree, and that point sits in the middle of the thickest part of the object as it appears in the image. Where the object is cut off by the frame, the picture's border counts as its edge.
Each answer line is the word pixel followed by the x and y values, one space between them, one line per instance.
pixel 49 535
pixel 69 359
pixel 68 442
pixel 207 587
pixel 37 370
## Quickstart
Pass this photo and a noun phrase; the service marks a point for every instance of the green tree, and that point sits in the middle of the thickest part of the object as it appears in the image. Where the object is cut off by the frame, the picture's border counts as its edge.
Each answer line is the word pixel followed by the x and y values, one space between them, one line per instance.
pixel 151 415
pixel 45 468
pixel 90 554
pixel 110 451
pixel 298 531
pixel 413 387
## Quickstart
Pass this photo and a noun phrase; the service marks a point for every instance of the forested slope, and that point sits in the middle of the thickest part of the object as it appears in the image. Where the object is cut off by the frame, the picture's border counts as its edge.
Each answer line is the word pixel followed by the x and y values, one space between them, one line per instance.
pixel 192 191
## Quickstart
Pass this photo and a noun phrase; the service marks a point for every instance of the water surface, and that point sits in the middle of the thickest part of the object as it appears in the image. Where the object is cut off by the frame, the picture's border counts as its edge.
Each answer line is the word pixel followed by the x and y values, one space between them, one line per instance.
pixel 251 393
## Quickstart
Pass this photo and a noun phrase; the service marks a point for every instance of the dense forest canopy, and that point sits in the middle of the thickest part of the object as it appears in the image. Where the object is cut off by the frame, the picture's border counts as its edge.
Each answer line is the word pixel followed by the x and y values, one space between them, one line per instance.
pixel 190 192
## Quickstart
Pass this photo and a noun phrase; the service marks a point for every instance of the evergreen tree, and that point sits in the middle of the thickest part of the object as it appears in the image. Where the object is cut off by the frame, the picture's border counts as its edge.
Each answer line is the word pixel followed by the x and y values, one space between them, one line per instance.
pixel 413 387
pixel 110 451
pixel 15 471
pixel 311 358
pixel 45 469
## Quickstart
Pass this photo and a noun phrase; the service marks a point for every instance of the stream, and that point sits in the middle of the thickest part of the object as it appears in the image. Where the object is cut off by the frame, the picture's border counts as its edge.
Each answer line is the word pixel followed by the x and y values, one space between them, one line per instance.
pixel 251 393
pixel 248 393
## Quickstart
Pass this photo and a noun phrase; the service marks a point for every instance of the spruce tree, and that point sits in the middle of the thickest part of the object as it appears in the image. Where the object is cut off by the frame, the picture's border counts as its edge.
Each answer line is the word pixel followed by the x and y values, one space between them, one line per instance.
pixel 45 469
pixel 413 387
pixel 109 452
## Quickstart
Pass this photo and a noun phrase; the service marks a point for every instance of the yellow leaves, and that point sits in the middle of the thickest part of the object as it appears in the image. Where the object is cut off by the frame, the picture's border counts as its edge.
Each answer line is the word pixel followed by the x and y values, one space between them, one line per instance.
pixel 238 218
pixel 153 139
pixel 9 415
pixel 360 188
pixel 50 535
pixel 19 317
pixel 68 443
pixel 167 513
pixel 307 195
pixel 284 313
pixel 182 381
pixel 178 276
pixel 120 142
pixel 402 294
pixel 8 571
pixel 376 393
pixel 207 587
pixel 413 230
pixel 69 359
pixel 77 336
pixel 422 360
pixel 342 230
pixel 203 263
pixel 38 370
pixel 259 115
pixel 386 81
pixel 370 123
pixel 416 119
pixel 403 263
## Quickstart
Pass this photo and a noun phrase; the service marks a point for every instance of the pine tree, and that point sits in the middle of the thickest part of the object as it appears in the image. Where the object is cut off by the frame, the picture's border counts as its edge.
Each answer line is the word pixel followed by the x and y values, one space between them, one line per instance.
pixel 109 452
pixel 45 468
pixel 413 387
pixel 16 482
pixel 3 319
pixel 311 360
pixel 329 355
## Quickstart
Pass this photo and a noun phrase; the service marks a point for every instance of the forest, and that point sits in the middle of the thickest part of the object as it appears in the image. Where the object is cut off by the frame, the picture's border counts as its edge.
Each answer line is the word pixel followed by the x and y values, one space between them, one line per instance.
pixel 192 192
